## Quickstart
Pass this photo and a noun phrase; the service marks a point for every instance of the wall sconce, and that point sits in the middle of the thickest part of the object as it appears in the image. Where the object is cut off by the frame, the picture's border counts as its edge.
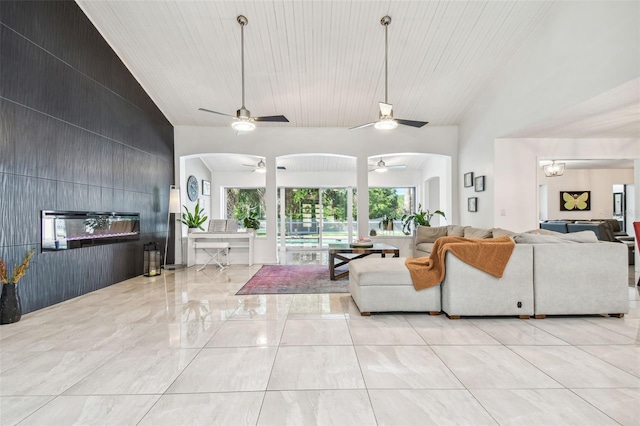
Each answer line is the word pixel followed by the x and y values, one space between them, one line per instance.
pixel 554 169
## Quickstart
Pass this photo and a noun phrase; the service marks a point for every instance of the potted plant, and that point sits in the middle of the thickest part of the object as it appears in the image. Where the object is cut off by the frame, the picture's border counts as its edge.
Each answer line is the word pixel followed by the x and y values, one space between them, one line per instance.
pixel 195 220
pixel 250 219
pixel 421 217
pixel 10 307
pixel 251 222
pixel 386 223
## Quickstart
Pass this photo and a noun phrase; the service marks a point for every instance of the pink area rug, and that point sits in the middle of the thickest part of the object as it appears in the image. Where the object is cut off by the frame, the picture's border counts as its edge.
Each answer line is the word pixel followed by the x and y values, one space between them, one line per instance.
pixel 292 279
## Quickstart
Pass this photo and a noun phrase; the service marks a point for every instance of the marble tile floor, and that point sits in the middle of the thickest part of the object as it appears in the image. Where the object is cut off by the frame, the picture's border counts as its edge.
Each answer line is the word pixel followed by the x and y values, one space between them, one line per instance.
pixel 182 349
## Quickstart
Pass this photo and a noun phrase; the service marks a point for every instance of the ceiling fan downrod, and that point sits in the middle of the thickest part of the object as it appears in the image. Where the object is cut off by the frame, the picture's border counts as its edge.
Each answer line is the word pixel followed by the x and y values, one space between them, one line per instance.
pixel 385 21
pixel 242 20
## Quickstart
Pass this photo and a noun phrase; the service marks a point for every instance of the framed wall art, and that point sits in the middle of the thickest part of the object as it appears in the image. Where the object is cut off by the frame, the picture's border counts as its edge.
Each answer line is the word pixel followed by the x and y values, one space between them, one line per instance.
pixel 468 179
pixel 206 187
pixel 575 201
pixel 472 204
pixel 479 184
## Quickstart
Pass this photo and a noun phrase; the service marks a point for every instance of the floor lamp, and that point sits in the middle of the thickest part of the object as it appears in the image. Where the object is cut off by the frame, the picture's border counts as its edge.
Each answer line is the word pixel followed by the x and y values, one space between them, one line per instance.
pixel 174 208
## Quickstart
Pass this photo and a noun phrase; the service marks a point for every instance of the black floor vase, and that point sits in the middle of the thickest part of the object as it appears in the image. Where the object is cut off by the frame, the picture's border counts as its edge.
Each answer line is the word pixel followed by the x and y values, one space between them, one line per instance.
pixel 10 309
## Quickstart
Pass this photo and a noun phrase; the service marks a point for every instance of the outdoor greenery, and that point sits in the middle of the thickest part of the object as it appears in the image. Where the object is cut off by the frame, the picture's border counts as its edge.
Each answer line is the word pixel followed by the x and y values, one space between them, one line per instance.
pixel 242 201
pixel 302 207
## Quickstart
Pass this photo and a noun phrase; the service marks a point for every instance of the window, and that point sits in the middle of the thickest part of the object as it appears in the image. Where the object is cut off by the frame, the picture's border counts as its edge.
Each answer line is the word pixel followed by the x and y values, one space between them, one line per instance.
pixel 386 208
pixel 240 202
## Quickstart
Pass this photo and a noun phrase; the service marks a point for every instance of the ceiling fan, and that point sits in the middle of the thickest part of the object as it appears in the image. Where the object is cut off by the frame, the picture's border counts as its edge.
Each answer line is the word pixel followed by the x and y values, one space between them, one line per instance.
pixel 386 120
pixel 243 121
pixel 261 167
pixel 382 167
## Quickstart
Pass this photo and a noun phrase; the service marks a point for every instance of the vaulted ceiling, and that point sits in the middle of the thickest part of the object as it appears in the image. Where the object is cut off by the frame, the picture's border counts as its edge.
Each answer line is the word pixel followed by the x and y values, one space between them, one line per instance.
pixel 319 63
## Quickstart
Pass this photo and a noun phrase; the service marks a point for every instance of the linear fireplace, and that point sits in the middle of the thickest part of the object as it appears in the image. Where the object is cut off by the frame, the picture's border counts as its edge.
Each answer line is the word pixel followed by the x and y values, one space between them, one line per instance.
pixel 64 230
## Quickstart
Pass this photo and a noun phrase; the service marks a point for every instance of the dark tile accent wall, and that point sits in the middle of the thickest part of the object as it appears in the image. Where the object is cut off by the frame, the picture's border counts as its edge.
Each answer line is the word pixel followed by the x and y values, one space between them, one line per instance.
pixel 77 132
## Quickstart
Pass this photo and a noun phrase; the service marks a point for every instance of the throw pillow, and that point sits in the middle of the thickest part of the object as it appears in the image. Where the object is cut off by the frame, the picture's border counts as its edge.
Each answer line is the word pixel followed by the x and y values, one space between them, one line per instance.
pixel 455 230
pixel 499 232
pixel 541 231
pixel 470 232
pixel 428 234
pixel 573 237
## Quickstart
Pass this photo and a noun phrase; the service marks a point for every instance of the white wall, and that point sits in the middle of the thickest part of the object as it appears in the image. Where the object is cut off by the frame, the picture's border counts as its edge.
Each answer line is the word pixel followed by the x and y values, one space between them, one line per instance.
pixel 195 167
pixel 438 172
pixel 579 50
pixel 599 182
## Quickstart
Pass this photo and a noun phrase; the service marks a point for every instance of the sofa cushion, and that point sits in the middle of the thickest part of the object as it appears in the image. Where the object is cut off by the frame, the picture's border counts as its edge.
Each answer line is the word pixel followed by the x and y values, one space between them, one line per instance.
pixel 429 234
pixel 455 230
pixel 499 232
pixel 573 237
pixel 423 247
pixel 543 232
pixel 380 272
pixel 470 232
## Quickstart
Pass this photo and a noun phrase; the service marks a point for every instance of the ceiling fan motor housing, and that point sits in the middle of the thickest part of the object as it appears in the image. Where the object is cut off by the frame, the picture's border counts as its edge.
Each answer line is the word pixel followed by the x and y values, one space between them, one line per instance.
pixel 243 114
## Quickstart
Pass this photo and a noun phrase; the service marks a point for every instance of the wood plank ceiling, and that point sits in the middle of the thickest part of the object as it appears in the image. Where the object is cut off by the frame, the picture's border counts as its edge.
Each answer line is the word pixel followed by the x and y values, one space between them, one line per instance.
pixel 320 63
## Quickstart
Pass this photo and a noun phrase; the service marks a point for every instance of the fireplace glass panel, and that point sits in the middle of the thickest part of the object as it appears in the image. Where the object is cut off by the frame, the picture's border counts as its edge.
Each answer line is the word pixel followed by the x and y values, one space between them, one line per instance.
pixel 70 230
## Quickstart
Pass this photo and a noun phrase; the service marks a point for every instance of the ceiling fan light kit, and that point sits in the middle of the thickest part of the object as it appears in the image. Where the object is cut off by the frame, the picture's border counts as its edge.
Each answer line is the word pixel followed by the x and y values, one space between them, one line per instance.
pixel 554 169
pixel 243 122
pixel 386 124
pixel 243 125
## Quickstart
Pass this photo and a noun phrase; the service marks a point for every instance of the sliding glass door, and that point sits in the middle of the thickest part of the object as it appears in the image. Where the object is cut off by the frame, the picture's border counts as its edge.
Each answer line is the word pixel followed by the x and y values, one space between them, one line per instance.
pixel 312 218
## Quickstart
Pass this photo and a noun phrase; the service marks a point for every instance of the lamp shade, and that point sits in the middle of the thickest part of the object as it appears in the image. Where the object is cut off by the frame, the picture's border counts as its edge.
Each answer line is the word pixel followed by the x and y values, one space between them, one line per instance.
pixel 174 200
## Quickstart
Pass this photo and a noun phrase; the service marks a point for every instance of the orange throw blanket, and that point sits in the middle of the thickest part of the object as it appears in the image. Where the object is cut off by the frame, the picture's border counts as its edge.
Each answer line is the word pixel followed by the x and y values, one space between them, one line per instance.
pixel 490 255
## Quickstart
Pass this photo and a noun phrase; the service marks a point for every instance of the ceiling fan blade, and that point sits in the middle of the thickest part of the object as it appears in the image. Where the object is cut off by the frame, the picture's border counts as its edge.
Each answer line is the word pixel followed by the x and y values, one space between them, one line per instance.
pixel 272 119
pixel 215 112
pixel 385 109
pixel 411 123
pixel 399 166
pixel 363 125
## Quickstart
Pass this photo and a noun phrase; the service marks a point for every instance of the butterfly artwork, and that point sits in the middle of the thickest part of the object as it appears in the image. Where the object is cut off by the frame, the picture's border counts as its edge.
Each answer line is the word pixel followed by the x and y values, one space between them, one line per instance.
pixel 575 200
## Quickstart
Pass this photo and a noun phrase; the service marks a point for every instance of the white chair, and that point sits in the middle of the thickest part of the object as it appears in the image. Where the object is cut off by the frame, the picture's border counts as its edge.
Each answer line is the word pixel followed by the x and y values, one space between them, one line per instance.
pixel 215 250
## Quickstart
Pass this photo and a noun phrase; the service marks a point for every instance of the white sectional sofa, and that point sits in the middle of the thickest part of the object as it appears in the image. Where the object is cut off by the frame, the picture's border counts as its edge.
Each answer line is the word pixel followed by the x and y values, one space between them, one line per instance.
pixel 550 274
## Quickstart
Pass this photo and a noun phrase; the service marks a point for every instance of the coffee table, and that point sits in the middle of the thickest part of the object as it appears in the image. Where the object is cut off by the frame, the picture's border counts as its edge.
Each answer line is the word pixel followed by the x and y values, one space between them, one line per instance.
pixel 337 251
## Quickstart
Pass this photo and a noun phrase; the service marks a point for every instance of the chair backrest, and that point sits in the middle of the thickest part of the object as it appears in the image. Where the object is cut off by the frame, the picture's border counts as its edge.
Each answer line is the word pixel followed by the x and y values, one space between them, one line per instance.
pixel 636 228
pixel 595 227
pixel 556 226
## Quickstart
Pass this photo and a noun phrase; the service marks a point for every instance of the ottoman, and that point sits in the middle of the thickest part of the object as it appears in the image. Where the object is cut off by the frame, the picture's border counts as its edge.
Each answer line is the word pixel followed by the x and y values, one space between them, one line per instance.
pixel 384 285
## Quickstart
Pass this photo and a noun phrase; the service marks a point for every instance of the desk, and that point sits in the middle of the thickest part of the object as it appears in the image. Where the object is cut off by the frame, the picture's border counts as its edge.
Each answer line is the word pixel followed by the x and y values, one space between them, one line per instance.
pixel 231 237
pixel 335 251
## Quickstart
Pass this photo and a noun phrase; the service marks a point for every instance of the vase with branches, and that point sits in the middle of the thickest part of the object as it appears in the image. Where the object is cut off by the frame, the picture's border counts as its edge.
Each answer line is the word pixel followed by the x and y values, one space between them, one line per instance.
pixel 10 306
